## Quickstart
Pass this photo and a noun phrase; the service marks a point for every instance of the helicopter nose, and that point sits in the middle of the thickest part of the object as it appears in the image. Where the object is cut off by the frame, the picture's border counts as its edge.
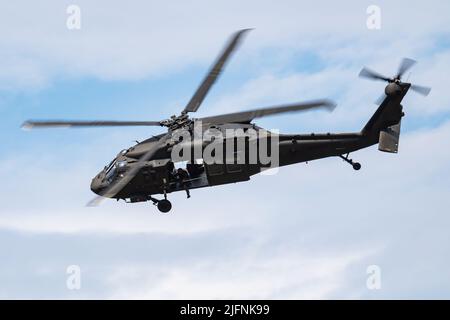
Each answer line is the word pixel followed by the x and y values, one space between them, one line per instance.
pixel 97 185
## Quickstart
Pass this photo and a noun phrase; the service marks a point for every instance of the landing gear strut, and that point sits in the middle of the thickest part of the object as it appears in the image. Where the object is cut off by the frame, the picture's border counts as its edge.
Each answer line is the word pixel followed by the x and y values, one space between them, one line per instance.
pixel 355 165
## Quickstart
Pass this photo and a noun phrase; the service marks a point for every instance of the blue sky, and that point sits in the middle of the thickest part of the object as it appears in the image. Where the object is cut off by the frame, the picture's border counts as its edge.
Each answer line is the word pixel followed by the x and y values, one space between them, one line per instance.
pixel 309 231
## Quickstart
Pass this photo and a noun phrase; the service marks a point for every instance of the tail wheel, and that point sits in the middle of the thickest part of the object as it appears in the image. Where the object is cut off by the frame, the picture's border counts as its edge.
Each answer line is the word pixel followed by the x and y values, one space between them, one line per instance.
pixel 356 166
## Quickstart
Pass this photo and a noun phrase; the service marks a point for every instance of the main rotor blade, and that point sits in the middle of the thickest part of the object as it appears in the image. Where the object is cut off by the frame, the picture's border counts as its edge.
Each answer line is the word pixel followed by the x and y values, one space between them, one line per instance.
pixel 32 124
pixel 368 73
pixel 120 183
pixel 214 73
pixel 248 116
pixel 404 66
pixel 421 89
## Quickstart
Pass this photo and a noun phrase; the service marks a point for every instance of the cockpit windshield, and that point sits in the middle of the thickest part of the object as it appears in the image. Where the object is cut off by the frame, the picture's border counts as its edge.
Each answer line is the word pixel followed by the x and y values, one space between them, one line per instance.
pixel 110 165
pixel 110 169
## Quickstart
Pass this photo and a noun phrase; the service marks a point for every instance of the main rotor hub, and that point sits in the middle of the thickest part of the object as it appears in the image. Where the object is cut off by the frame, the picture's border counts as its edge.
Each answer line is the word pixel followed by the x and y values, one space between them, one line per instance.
pixel 177 122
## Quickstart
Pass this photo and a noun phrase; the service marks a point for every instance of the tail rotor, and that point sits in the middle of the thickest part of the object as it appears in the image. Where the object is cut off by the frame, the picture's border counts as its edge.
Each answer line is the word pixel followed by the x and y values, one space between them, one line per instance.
pixel 395 82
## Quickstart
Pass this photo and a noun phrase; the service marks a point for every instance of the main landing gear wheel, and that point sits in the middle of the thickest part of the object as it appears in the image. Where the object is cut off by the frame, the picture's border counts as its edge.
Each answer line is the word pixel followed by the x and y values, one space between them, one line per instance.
pixel 164 205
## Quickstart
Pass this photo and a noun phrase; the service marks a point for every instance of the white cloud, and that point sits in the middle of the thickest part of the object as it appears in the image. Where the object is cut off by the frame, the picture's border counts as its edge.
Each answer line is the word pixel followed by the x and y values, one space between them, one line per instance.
pixel 162 37
pixel 285 276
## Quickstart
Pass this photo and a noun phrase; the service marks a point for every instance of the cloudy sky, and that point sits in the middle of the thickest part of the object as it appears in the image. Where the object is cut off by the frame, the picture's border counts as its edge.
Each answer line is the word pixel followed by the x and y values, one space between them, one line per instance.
pixel 310 231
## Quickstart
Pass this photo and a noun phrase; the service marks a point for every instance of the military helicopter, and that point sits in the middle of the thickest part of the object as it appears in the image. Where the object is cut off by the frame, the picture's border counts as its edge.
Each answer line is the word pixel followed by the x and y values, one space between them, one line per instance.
pixel 147 169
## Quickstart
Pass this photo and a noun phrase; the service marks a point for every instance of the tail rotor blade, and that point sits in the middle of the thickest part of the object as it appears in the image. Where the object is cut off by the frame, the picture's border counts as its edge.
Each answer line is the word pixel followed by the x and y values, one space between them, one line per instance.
pixel 421 89
pixel 370 74
pixel 405 65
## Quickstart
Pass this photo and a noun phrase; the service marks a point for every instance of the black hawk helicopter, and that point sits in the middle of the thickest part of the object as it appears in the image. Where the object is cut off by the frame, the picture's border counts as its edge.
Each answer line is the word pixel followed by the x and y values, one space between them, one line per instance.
pixel 147 168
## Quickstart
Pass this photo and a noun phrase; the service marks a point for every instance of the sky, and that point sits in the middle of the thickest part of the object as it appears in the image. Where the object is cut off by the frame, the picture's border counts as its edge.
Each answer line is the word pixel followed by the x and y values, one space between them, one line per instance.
pixel 308 232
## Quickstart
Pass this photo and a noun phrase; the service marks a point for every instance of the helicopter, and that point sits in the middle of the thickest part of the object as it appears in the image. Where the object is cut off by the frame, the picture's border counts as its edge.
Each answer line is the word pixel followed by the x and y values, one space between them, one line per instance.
pixel 148 168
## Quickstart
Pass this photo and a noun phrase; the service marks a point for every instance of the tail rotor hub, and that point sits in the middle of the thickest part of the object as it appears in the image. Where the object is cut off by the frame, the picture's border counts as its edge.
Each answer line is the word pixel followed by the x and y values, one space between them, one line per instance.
pixel 393 89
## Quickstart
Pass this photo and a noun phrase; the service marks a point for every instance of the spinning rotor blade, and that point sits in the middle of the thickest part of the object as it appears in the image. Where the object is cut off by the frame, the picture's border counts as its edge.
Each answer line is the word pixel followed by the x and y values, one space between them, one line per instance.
pixel 120 183
pixel 370 74
pixel 404 66
pixel 248 116
pixel 213 73
pixel 421 89
pixel 32 124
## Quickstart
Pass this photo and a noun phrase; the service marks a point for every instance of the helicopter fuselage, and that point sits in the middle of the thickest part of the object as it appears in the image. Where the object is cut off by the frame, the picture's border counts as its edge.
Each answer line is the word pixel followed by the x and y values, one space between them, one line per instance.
pixel 159 174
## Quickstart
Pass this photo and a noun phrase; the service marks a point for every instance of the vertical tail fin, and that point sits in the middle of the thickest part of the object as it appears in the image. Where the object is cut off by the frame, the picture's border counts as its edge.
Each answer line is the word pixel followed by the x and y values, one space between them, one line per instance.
pixel 389 113
pixel 384 126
